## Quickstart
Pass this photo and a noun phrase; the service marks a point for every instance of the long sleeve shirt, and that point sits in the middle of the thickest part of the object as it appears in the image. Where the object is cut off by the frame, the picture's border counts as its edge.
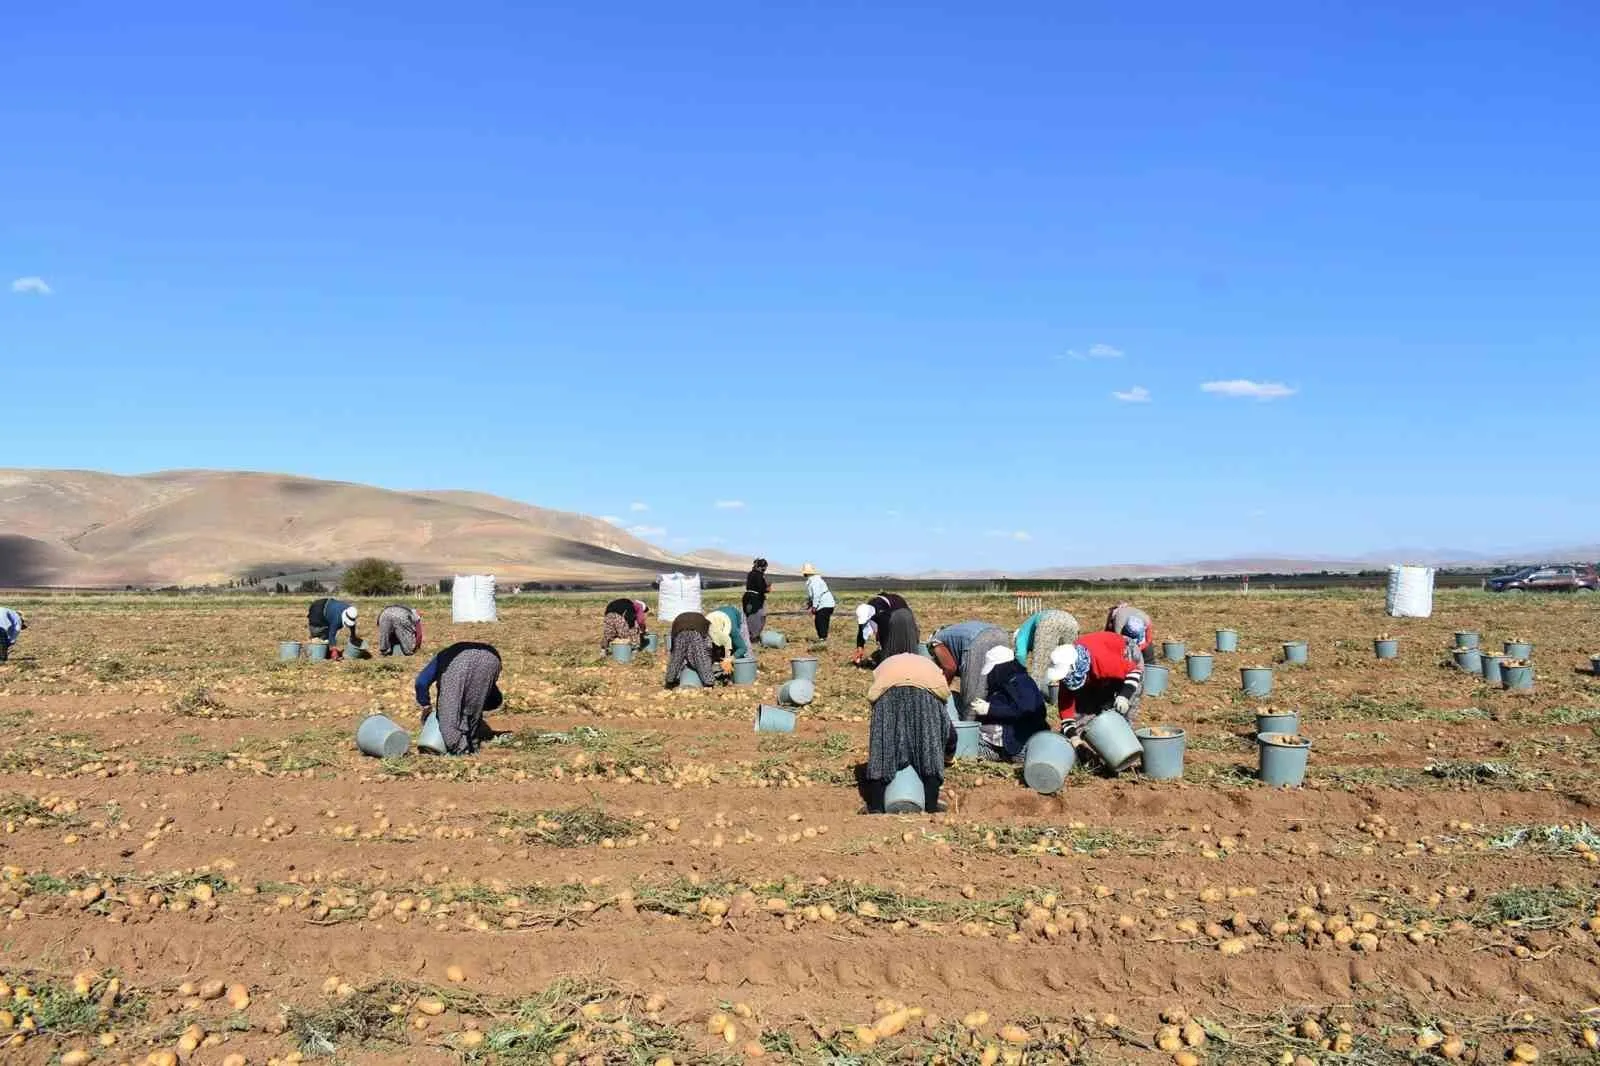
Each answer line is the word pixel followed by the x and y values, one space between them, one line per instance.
pixel 333 617
pixel 756 588
pixel 818 595
pixel 883 605
pixel 959 637
pixel 1116 668
pixel 10 625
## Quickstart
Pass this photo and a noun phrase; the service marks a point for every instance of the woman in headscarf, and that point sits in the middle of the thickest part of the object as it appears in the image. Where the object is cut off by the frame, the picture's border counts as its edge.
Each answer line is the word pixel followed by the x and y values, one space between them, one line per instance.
pixel 1129 621
pixel 1011 710
pixel 886 618
pixel 11 626
pixel 467 676
pixel 730 639
pixel 819 600
pixel 624 620
pixel 756 589
pixel 326 617
pixel 1100 672
pixel 399 627
pixel 909 728
pixel 960 650
pixel 1041 634
pixel 691 648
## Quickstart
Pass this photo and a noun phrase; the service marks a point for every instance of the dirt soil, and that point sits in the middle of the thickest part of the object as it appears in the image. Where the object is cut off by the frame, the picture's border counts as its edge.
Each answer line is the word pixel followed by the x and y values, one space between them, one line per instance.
pixel 630 875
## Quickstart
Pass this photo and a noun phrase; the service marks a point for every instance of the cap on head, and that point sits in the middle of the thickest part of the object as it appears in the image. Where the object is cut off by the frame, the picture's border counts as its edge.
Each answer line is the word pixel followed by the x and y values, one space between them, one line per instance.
pixel 1069 666
pixel 995 656
pixel 864 614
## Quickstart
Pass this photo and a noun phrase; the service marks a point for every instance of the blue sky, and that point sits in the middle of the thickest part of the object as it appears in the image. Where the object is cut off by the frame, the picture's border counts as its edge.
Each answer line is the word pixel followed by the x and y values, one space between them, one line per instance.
pixel 879 276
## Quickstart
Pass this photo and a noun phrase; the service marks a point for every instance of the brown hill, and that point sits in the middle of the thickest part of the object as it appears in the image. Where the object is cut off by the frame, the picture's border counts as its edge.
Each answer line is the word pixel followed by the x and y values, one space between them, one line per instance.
pixel 200 527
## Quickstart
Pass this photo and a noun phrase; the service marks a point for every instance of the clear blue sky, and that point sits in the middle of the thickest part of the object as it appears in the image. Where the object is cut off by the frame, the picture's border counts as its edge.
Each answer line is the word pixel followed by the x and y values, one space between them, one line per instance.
pixel 873 271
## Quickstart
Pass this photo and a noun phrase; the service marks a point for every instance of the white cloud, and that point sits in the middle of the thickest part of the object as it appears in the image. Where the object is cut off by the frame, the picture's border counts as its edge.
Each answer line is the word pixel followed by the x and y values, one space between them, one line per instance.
pixel 1252 390
pixel 892 513
pixel 637 507
pixel 730 505
pixel 1137 394
pixel 1095 351
pixel 613 519
pixel 31 286
pixel 647 531
pixel 1003 534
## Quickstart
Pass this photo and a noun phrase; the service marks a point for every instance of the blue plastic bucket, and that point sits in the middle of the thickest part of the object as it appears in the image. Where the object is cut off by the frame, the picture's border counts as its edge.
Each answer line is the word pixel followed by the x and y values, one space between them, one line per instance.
pixel 1519 649
pixel 1278 722
pixel 288 649
pixel 1163 752
pixel 381 737
pixel 796 693
pixel 429 738
pixel 774 719
pixel 317 649
pixel 1047 759
pixel 690 679
pixel 621 651
pixel 1491 668
pixel 1199 665
pixel 922 650
pixel 651 642
pixel 905 794
pixel 968 744
pixel 396 651
pixel 1227 640
pixel 356 649
pixel 771 638
pixel 1296 652
pixel 1470 660
pixel 1518 677
pixel 1172 651
pixel 803 669
pixel 1467 638
pixel 1156 677
pixel 1256 681
pixel 1386 648
pixel 744 671
pixel 951 710
pixel 1283 759
pixel 1110 736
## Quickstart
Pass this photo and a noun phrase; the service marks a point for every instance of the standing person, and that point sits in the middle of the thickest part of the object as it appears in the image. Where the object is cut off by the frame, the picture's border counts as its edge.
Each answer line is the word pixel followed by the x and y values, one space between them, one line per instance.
pixel 624 620
pixel 691 647
pixel 1100 672
pixel 1131 622
pixel 11 626
pixel 730 638
pixel 1041 634
pixel 1011 710
pixel 961 650
pixel 819 600
pixel 909 728
pixel 327 616
pixel 756 589
pixel 467 675
pixel 400 627
pixel 886 618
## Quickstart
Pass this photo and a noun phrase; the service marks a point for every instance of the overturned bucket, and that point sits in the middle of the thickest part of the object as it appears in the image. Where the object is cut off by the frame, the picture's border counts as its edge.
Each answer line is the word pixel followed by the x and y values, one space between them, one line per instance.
pixel 744 671
pixel 1227 640
pixel 1111 737
pixel 1156 677
pixel 796 693
pixel 804 669
pixel 288 649
pixel 1163 751
pixel 1198 664
pixel 1386 648
pixel 429 738
pixel 1283 759
pixel 905 794
pixel 1047 759
pixel 1172 651
pixel 622 651
pixel 774 719
pixel 381 737
pixel 771 638
pixel 967 740
pixel 1296 652
pixel 1256 681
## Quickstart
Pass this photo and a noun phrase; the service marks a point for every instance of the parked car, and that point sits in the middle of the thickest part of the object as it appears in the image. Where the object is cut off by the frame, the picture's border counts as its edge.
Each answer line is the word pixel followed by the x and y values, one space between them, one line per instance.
pixel 1547 579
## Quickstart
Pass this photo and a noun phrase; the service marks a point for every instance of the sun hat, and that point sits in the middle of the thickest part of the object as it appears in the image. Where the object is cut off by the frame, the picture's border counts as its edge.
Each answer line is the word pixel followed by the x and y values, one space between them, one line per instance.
pixel 1069 666
pixel 349 616
pixel 864 614
pixel 995 656
pixel 808 570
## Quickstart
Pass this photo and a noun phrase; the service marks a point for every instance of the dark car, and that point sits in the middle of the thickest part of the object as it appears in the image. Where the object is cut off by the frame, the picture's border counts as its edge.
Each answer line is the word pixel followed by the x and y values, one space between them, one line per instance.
pixel 1547 579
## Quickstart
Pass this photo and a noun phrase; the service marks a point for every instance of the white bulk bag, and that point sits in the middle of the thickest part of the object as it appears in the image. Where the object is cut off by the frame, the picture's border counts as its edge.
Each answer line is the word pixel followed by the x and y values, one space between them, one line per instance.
pixel 1410 591
pixel 679 594
pixel 472 599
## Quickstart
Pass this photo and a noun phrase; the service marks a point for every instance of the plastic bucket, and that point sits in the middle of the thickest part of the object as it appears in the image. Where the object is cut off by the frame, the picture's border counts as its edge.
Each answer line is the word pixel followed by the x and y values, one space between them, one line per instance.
pixel 1199 666
pixel 967 740
pixel 951 710
pixel 690 679
pixel 803 669
pixel 396 651
pixel 1516 676
pixel 905 794
pixel 651 642
pixel 1172 651
pixel 1227 640
pixel 1155 680
pixel 922 650
pixel 774 719
pixel 1467 638
pixel 381 737
pixel 1256 681
pixel 1491 668
pixel 744 671
pixel 1283 759
pixel 1519 649
pixel 1469 659
pixel 1112 738
pixel 356 649
pixel 317 649
pixel 1163 751
pixel 796 693
pixel 1047 759
pixel 1296 652
pixel 429 738
pixel 621 651
pixel 1386 648
pixel 288 649
pixel 771 638
pixel 1278 722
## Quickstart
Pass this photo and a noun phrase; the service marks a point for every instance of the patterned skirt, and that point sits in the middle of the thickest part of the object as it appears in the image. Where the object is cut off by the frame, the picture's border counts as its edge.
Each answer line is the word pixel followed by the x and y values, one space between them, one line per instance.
pixel 909 728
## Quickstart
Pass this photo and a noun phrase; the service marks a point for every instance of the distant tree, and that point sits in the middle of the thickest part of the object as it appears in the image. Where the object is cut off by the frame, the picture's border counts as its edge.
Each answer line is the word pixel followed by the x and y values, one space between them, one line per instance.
pixel 309 585
pixel 373 577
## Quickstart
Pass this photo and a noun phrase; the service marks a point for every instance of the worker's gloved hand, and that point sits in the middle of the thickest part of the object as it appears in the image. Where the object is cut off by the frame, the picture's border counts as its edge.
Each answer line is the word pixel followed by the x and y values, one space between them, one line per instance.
pixel 1121 705
pixel 979 708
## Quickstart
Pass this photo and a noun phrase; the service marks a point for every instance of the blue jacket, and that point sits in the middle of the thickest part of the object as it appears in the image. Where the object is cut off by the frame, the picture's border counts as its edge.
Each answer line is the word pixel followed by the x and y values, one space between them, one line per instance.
pixel 1015 704
pixel 959 637
pixel 333 618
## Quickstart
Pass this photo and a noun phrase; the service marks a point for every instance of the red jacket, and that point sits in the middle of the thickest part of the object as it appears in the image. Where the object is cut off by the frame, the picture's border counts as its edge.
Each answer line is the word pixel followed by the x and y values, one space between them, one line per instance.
pixel 1115 667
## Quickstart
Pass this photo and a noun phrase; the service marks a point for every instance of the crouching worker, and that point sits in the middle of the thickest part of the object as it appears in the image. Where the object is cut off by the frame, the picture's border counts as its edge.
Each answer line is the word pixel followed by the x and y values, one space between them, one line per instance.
pixel 961 650
pixel 467 676
pixel 399 629
pixel 691 649
pixel 624 621
pixel 1041 634
pixel 886 618
pixel 730 635
pixel 909 728
pixel 1129 621
pixel 1101 672
pixel 326 617
pixel 11 626
pixel 1011 710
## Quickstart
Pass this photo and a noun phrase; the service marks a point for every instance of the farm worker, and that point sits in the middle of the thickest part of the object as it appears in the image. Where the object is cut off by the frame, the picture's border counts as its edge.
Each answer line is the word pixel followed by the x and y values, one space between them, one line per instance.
pixel 467 675
pixel 11 626
pixel 909 728
pixel 1128 620
pixel 729 636
pixel 819 600
pixel 624 620
pixel 960 650
pixel 1041 634
pixel 400 627
pixel 1011 710
pixel 691 647
pixel 327 616
pixel 886 618
pixel 1100 672
pixel 756 588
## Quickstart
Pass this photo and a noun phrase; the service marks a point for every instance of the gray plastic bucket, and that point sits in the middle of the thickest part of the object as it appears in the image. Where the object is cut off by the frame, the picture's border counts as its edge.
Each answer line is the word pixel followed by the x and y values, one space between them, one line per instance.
pixel 288 649
pixel 1490 665
pixel 356 649
pixel 1278 722
pixel 951 710
pixel 1296 652
pixel 1227 640
pixel 690 679
pixel 744 671
pixel 1519 649
pixel 1172 651
pixel 803 669
pixel 651 642
pixel 1469 659
pixel 774 719
pixel 1156 677
pixel 905 794
pixel 796 693
pixel 317 649
pixel 429 738
pixel 968 744
pixel 771 638
pixel 1163 754
pixel 1198 664
pixel 381 737
pixel 396 651
pixel 1517 678
pixel 1111 737
pixel 1283 765
pixel 1256 681
pixel 621 651
pixel 1047 759
pixel 1467 638
pixel 1386 648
